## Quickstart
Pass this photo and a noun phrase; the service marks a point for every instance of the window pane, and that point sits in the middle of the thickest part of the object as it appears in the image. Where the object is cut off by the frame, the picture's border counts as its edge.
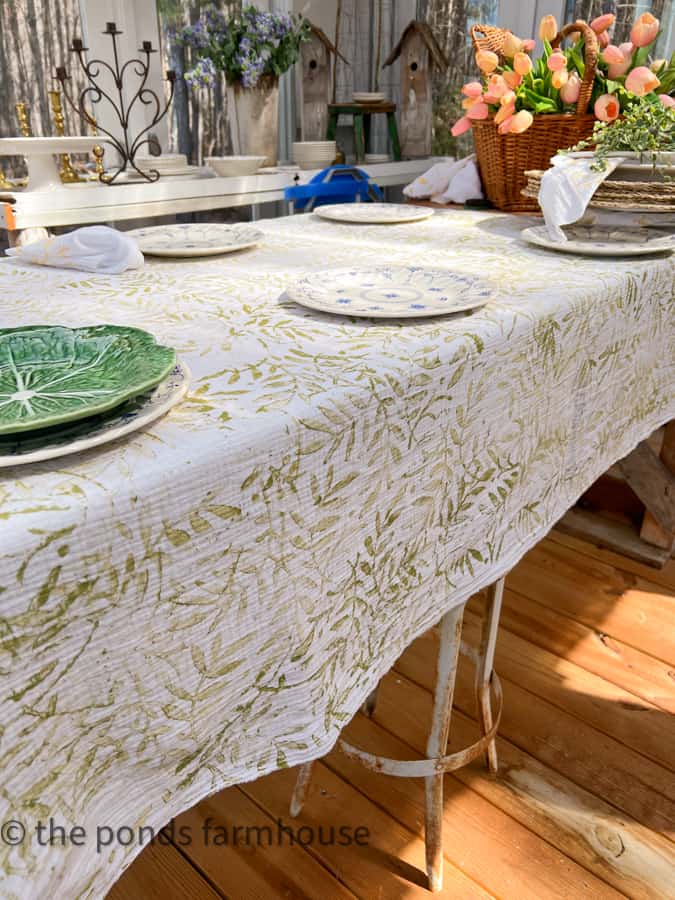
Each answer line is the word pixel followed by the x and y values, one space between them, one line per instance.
pixel 626 12
pixel 35 39
pixel 198 124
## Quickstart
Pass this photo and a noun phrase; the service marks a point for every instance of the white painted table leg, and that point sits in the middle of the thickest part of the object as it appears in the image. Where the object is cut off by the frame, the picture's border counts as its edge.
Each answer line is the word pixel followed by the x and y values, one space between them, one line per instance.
pixel 484 668
pixel 450 640
pixel 300 789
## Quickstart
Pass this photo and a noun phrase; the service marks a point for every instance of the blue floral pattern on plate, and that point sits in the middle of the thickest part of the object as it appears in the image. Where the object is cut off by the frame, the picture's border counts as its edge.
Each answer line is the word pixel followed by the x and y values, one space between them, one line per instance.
pixel 195 239
pixel 392 292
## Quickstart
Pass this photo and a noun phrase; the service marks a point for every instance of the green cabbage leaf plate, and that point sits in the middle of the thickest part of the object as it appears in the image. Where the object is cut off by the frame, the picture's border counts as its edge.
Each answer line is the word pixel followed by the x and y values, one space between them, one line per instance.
pixel 50 374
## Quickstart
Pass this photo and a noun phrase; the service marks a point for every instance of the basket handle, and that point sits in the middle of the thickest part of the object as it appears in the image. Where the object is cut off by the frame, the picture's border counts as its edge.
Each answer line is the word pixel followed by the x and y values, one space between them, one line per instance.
pixel 591 50
pixel 488 37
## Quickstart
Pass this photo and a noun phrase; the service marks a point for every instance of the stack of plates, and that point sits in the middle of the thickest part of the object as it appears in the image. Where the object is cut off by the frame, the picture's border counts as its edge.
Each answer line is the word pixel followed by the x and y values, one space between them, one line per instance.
pixel 314 154
pixel 617 194
pixel 368 97
pixel 65 389
pixel 377 158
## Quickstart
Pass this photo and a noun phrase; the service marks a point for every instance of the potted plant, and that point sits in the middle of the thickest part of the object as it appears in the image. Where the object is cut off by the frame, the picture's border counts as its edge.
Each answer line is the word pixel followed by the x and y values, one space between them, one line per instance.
pixel 252 48
pixel 523 110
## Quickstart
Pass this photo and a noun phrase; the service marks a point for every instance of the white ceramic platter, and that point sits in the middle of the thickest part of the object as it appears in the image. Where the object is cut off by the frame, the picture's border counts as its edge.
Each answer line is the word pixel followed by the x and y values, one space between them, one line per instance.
pixel 85 434
pixel 598 241
pixel 368 97
pixel 373 213
pixel 195 239
pixel 386 292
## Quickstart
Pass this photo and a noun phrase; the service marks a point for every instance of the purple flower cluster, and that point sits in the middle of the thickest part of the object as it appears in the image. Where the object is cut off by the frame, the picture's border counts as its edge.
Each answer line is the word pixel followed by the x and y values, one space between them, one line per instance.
pixel 245 47
pixel 203 74
pixel 195 36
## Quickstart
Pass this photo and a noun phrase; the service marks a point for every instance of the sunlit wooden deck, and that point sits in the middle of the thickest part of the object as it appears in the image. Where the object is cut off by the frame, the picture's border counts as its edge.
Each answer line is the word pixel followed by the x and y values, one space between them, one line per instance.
pixel 584 804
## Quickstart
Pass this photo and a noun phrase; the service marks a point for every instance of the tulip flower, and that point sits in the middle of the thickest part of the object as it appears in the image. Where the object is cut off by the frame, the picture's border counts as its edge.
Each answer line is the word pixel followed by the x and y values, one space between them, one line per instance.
pixel 529 45
pixel 505 112
pixel 641 81
pixel 616 70
pixel 644 30
pixel 548 28
pixel 569 93
pixel 505 126
pixel 511 45
pixel 667 100
pixel 460 126
pixel 487 61
pixel 478 111
pixel 497 87
pixel 473 89
pixel 603 39
pixel 521 121
pixel 468 102
pixel 657 65
pixel 606 108
pixel 560 78
pixel 508 99
pixel 522 63
pixel 602 23
pixel 612 54
pixel 556 61
pixel 512 79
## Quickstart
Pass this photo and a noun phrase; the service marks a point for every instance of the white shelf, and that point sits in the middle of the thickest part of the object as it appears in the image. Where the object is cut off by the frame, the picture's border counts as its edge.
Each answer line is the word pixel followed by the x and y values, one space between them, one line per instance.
pixel 94 203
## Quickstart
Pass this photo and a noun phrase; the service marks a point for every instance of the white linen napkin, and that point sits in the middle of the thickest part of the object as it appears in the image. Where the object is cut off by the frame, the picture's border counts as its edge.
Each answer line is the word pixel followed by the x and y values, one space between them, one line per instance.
pixel 96 248
pixel 567 189
pixel 453 181
pixel 433 181
pixel 465 184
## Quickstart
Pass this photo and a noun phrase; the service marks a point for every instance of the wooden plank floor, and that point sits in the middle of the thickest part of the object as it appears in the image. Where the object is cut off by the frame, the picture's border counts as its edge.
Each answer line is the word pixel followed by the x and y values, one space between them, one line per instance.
pixel 583 805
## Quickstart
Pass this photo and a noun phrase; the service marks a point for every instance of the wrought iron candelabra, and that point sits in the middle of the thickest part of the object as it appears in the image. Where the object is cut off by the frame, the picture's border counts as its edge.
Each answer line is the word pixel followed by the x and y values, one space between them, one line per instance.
pixel 94 70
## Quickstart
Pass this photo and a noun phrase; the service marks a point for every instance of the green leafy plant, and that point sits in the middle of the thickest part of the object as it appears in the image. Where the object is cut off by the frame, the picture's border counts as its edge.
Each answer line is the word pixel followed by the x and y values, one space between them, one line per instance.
pixel 647 127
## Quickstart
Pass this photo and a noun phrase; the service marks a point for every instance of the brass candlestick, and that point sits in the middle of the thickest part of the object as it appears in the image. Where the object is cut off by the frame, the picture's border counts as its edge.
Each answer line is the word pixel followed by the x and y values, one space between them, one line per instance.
pixel 98 151
pixel 5 185
pixel 24 121
pixel 67 173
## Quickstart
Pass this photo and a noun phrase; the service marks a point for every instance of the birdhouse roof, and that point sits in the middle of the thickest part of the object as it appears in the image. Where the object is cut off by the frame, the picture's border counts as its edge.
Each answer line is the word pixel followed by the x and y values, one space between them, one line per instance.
pixel 427 35
pixel 323 37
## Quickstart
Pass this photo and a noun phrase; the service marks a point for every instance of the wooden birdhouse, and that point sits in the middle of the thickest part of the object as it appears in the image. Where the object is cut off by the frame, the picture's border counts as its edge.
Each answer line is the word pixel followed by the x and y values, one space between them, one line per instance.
pixel 419 53
pixel 316 83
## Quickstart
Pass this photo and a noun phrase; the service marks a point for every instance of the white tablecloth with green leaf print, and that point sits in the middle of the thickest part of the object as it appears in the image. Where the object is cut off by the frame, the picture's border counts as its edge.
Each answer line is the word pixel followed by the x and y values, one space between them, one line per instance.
pixel 214 597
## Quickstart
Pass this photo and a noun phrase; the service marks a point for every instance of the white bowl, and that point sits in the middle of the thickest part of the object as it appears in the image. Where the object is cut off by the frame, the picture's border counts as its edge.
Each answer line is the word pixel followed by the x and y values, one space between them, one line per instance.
pixel 235 165
pixel 313 145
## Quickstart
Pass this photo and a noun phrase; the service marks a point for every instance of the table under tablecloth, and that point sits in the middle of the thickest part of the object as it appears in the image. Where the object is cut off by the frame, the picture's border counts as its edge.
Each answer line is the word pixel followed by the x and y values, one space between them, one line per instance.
pixel 213 598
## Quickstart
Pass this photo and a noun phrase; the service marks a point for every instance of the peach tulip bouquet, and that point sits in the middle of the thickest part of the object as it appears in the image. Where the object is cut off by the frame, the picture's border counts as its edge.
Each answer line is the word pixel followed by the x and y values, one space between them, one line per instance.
pixel 514 87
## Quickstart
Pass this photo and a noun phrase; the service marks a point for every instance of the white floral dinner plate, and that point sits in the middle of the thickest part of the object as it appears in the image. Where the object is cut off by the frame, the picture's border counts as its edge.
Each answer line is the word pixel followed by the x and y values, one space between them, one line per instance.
pixel 49 443
pixel 387 292
pixel 373 213
pixel 594 240
pixel 195 239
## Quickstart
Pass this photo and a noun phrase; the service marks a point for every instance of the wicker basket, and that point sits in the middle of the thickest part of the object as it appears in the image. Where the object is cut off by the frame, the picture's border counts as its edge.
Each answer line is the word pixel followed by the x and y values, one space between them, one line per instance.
pixel 503 159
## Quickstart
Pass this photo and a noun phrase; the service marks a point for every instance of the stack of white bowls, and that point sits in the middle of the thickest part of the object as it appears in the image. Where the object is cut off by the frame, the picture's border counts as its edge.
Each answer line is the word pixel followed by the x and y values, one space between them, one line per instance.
pixel 314 154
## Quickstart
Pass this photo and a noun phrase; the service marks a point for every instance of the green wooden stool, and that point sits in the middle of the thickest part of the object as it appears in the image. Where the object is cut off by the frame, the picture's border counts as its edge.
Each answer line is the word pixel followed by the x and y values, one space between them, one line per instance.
pixel 361 113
